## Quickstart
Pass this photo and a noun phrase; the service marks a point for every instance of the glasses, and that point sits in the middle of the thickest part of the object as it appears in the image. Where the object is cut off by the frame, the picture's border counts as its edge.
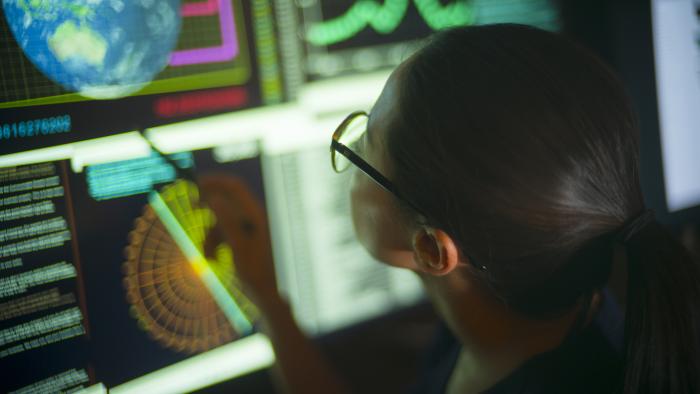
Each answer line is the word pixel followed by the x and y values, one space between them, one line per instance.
pixel 347 147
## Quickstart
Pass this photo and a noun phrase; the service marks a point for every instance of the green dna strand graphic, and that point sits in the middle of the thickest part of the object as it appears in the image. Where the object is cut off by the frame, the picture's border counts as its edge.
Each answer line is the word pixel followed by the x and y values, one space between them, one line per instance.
pixel 385 18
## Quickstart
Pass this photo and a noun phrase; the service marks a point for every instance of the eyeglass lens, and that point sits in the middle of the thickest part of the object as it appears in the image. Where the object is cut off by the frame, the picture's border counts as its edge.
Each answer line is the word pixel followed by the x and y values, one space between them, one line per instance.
pixel 352 137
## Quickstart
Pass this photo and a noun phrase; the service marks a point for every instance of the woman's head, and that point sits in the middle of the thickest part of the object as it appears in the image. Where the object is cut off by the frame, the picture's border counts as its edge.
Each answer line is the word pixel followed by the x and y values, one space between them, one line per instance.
pixel 519 145
pixel 521 151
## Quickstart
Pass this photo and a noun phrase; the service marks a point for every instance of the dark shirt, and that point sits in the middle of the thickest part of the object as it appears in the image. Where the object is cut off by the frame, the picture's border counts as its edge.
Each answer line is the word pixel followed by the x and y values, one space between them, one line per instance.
pixel 587 361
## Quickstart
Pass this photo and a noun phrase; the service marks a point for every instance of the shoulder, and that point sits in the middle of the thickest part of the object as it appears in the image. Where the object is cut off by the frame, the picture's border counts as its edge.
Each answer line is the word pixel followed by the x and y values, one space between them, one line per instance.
pixel 586 363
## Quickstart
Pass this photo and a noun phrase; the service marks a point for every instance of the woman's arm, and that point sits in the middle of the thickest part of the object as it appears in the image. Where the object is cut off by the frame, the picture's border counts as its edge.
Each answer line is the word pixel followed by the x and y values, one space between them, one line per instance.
pixel 300 366
pixel 241 222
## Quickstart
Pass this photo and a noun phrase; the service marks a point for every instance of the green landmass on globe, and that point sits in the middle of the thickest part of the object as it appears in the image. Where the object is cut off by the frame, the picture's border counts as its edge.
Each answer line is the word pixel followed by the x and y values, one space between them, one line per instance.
pixel 71 41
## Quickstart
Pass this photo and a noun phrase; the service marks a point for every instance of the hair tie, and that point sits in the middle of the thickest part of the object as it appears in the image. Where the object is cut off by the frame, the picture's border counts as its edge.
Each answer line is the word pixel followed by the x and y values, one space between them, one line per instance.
pixel 634 226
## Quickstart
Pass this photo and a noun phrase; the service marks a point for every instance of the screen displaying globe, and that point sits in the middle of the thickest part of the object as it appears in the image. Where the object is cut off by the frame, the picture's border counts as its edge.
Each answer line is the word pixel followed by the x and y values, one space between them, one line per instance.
pixel 101 49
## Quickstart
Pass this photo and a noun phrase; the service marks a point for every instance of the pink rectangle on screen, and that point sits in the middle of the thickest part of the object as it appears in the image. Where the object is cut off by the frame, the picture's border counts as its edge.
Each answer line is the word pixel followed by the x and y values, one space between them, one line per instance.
pixel 229 41
pixel 203 8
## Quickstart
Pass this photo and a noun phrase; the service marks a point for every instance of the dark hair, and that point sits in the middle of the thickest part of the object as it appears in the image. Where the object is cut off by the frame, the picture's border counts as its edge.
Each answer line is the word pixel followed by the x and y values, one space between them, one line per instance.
pixel 534 145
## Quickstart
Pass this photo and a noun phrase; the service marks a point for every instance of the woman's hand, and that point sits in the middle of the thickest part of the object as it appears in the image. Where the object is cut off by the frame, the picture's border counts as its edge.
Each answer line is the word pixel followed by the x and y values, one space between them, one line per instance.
pixel 242 224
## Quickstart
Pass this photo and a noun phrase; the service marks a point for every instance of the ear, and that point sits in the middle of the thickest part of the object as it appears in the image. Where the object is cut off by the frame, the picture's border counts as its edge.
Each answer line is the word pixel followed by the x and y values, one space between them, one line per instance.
pixel 434 251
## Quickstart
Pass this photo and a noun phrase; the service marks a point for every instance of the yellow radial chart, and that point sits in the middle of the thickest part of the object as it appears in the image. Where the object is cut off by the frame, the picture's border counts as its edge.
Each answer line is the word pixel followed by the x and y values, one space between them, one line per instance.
pixel 167 297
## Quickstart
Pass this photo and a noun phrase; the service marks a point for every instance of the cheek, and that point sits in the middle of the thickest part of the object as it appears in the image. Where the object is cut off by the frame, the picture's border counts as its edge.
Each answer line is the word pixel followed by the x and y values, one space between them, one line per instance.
pixel 361 211
pixel 374 218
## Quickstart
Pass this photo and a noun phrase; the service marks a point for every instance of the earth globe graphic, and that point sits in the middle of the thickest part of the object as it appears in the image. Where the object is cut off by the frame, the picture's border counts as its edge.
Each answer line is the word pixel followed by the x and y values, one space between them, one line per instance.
pixel 101 49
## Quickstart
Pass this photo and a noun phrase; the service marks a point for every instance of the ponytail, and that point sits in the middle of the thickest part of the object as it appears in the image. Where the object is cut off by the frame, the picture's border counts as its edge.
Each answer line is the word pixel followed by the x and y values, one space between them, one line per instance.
pixel 662 323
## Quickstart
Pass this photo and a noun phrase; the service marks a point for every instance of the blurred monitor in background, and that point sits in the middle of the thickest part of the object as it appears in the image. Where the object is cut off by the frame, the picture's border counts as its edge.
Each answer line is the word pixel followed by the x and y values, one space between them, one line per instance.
pixel 345 37
pixel 676 33
pixel 655 48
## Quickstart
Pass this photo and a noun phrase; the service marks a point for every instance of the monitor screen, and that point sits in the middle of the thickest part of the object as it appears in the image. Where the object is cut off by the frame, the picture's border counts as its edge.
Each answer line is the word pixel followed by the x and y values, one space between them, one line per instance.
pixel 347 36
pixel 676 32
pixel 102 279
pixel 83 69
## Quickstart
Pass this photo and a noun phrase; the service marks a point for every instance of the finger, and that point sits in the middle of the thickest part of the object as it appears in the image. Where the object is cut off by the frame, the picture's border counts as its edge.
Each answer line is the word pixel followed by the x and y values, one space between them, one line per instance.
pixel 227 219
pixel 212 241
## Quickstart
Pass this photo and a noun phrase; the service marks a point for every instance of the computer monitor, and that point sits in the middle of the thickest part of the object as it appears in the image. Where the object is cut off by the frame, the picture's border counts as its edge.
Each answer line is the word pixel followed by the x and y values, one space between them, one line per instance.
pixel 657 55
pixel 343 37
pixel 101 282
pixel 98 283
pixel 676 32
pixel 81 70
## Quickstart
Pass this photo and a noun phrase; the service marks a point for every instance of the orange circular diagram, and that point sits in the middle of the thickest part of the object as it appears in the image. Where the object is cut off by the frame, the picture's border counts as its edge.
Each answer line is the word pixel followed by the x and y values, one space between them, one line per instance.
pixel 168 299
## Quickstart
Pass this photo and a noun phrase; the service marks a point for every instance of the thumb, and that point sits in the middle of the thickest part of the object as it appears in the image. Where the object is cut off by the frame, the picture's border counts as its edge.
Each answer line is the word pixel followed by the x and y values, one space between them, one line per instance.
pixel 212 240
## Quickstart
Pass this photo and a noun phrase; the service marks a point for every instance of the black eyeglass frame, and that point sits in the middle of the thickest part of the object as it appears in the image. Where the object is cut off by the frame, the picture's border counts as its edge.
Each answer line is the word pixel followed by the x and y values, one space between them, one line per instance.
pixel 373 173
pixel 355 159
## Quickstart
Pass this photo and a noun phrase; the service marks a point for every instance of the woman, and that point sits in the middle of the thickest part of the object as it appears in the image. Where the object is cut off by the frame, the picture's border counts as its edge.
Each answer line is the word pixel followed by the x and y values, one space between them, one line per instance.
pixel 500 164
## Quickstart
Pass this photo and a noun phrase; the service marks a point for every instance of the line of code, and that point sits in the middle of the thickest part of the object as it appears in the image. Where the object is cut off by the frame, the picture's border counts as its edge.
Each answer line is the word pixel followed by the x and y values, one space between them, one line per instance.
pixel 31 185
pixel 33 303
pixel 26 211
pixel 36 244
pixel 58 336
pixel 18 284
pixel 10 264
pixel 13 174
pixel 52 192
pixel 59 382
pixel 56 321
pixel 34 229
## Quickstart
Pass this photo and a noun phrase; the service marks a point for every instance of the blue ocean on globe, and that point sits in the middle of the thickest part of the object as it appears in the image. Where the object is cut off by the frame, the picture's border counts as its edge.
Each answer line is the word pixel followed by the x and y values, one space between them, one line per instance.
pixel 100 49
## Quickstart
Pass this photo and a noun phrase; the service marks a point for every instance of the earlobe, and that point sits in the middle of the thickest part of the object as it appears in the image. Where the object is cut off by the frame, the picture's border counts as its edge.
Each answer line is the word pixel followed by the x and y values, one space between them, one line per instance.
pixel 434 251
